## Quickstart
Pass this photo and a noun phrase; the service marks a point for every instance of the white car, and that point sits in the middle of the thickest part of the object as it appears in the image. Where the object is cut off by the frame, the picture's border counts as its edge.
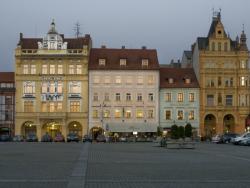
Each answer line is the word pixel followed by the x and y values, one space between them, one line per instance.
pixel 240 138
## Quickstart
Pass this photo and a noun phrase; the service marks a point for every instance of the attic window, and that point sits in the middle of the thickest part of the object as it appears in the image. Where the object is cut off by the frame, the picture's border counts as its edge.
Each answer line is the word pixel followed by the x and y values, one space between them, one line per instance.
pixel 187 80
pixel 170 80
pixel 102 62
pixel 144 62
pixel 123 62
pixel 219 32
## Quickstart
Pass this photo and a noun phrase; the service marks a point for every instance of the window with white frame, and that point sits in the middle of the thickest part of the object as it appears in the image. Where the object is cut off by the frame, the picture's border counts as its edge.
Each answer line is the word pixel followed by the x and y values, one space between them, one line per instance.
pixel 139 97
pixel 71 69
pixel 243 81
pixel 128 96
pixel 78 69
pixel 33 69
pixel 25 69
pixel 191 97
pixel 123 62
pixel 102 62
pixel 180 97
pixel 52 69
pixel 59 69
pixel 118 79
pixel 59 87
pixel 243 64
pixel 118 97
pixel 52 87
pixel 29 87
pixel 144 63
pixel 44 87
pixel 44 69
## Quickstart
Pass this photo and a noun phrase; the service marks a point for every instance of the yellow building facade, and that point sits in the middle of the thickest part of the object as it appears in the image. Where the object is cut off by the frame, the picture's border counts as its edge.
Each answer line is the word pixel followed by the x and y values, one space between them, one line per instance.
pixel 222 68
pixel 51 76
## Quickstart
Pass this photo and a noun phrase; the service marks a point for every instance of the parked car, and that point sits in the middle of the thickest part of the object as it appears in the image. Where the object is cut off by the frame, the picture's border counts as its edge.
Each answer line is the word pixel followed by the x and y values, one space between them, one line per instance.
pixel 245 142
pixel 87 138
pixel 240 138
pixel 101 138
pixel 227 137
pixel 217 139
pixel 59 138
pixel 5 138
pixel 31 138
pixel 72 137
pixel 18 138
pixel 46 138
pixel 123 139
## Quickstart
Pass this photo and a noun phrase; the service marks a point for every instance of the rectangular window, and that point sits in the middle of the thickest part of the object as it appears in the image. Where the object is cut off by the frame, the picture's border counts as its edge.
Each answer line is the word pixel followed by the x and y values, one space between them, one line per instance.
pixel 52 69
pixel 191 115
pixel 78 69
pixel 29 88
pixel 117 113
pixel 243 81
pixel 71 69
pixel 140 80
pixel 59 106
pixel 180 97
pixel 210 100
pixel 74 106
pixel 123 62
pixel 168 115
pixel 52 107
pixel 102 62
pixel 118 80
pixel 118 97
pixel 151 97
pixel 180 115
pixel 139 114
pixel 150 114
pixel 229 100
pixel 128 114
pixel 150 80
pixel 33 69
pixel 60 87
pixel 28 106
pixel 44 69
pixel 106 96
pixel 144 63
pixel 59 69
pixel 106 114
pixel 191 97
pixel 243 64
pixel 44 107
pixel 95 113
pixel 75 87
pixel 25 69
pixel 128 97
pixel 52 87
pixel 44 88
pixel 139 97
pixel 168 97
pixel 95 98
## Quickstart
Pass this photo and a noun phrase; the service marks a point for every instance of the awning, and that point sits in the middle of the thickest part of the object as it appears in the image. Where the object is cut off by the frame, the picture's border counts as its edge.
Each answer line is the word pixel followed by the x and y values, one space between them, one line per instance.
pixel 131 127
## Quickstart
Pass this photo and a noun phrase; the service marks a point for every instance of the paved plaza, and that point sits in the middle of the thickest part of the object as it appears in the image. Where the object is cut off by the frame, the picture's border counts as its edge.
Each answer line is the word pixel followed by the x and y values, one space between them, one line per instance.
pixel 118 165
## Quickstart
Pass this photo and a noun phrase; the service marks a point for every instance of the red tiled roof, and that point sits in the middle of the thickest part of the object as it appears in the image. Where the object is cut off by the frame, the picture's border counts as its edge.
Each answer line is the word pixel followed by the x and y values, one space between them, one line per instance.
pixel 7 77
pixel 73 43
pixel 133 59
pixel 178 75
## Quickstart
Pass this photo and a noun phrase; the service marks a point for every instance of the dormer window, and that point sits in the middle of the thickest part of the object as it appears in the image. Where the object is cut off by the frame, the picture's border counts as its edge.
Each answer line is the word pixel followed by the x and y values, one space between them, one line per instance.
pixel 145 62
pixel 187 80
pixel 170 80
pixel 123 62
pixel 102 62
pixel 219 32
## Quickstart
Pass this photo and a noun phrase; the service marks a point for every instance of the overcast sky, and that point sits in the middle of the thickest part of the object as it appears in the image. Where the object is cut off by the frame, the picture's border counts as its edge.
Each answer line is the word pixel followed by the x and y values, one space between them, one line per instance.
pixel 170 26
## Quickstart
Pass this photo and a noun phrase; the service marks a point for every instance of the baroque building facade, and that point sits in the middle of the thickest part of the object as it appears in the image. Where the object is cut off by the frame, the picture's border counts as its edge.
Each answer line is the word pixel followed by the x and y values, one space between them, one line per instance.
pixel 179 98
pixel 123 90
pixel 222 68
pixel 51 76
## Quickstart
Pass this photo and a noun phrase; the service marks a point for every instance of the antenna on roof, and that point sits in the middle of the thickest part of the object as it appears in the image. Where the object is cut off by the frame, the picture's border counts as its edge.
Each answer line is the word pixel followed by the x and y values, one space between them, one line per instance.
pixel 77 29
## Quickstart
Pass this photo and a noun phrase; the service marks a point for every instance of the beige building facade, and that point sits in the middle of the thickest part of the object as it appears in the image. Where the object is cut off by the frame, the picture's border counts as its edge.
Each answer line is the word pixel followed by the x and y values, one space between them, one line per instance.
pixel 51 76
pixel 222 69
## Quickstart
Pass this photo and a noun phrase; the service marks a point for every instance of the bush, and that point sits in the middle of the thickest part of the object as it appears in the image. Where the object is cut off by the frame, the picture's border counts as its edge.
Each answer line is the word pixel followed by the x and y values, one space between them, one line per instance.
pixel 174 132
pixel 181 132
pixel 188 130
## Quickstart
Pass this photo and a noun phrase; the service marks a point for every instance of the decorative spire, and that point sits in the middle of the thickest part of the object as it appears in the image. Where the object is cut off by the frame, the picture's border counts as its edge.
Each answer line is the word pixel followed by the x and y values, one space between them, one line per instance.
pixel 243 40
pixel 52 29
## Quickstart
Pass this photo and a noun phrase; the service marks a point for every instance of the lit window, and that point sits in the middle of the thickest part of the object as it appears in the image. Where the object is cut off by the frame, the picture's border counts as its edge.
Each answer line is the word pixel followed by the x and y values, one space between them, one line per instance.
pixel 128 114
pixel 243 81
pixel 71 69
pixel 118 97
pixel 102 62
pixel 187 80
pixel 74 106
pixel 128 97
pixel 95 97
pixel 191 97
pixel 44 69
pixel 33 69
pixel 151 97
pixel 28 106
pixel 44 87
pixel 168 115
pixel 118 80
pixel 140 80
pixel 52 87
pixel 144 62
pixel 59 106
pixel 168 97
pixel 106 114
pixel 60 87
pixel 170 80
pixel 52 69
pixel 123 62
pixel 180 115
pixel 25 69
pixel 117 113
pixel 59 69
pixel 95 113
pixel 151 80
pixel 52 107
pixel 78 69
pixel 150 114
pixel 139 97
pixel 191 115
pixel 139 113
pixel 180 97
pixel 29 87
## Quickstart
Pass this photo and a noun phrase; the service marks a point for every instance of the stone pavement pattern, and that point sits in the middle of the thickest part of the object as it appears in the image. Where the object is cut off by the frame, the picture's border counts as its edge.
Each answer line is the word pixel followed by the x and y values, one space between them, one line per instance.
pixel 122 165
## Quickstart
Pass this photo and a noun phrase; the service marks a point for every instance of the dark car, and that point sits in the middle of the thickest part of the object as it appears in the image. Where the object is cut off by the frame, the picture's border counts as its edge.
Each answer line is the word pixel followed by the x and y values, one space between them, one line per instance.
pixel 46 138
pixel 5 138
pixel 59 138
pixel 18 138
pixel 31 138
pixel 101 138
pixel 226 138
pixel 87 138
pixel 72 137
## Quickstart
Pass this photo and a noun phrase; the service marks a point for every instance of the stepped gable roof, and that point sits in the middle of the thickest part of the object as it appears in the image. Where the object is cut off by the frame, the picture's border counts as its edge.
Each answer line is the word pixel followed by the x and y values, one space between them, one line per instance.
pixel 178 75
pixel 133 58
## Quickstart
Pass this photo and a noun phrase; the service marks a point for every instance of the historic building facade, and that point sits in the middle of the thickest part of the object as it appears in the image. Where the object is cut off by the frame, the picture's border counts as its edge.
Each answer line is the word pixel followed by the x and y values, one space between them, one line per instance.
pixel 179 98
pixel 123 90
pixel 7 103
pixel 52 84
pixel 222 68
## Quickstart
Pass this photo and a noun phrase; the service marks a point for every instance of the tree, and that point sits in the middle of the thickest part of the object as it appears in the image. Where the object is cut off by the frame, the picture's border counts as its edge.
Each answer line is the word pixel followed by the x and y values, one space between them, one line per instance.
pixel 181 132
pixel 188 130
pixel 174 132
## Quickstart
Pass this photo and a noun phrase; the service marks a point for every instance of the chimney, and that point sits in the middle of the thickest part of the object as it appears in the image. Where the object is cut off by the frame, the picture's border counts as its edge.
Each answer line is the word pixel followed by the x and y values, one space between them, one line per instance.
pixel 144 47
pixel 103 46
pixel 21 36
pixel 123 47
pixel 87 35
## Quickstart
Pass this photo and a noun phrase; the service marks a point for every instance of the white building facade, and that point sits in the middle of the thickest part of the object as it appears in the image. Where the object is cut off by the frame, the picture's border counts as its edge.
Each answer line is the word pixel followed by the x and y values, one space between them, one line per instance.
pixel 123 91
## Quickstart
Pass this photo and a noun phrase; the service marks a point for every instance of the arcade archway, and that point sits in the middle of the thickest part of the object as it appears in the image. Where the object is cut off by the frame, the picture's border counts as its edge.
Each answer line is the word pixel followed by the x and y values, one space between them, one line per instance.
pixel 210 125
pixel 52 128
pixel 28 128
pixel 95 131
pixel 75 127
pixel 229 123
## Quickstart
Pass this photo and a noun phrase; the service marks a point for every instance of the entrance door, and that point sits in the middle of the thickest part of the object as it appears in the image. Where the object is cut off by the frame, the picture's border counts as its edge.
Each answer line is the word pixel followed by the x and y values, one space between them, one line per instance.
pixel 52 128
pixel 95 131
pixel 228 123
pixel 210 126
